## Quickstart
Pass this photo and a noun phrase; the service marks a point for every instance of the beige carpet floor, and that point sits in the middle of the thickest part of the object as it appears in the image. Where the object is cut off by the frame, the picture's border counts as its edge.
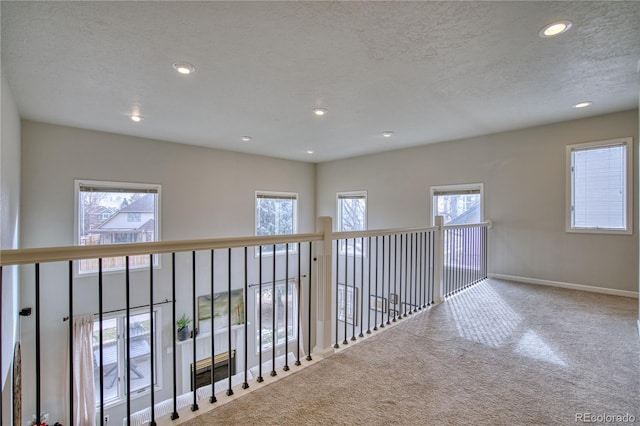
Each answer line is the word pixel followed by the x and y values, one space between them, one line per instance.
pixel 499 353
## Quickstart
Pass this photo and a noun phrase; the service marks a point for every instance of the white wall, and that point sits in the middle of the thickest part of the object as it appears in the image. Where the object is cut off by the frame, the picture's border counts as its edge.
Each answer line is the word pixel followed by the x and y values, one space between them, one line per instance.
pixel 206 193
pixel 524 182
pixel 9 217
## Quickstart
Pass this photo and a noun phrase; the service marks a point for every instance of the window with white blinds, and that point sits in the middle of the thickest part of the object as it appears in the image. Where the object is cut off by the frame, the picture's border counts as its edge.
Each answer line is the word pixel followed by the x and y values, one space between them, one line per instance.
pixel 599 186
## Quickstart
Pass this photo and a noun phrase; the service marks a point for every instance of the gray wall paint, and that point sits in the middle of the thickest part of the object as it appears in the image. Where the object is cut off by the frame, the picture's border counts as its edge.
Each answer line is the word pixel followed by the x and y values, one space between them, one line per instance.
pixel 524 182
pixel 9 232
pixel 206 193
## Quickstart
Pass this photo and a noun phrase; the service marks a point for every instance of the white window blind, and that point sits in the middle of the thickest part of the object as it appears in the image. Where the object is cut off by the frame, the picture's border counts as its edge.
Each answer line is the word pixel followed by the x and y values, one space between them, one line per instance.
pixel 600 182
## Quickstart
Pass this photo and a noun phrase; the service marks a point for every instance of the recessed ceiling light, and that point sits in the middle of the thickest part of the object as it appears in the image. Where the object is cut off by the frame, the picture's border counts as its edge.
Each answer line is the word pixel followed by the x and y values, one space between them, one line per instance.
pixel 387 134
pixel 583 104
pixel 555 28
pixel 246 138
pixel 320 111
pixel 309 151
pixel 184 67
pixel 136 117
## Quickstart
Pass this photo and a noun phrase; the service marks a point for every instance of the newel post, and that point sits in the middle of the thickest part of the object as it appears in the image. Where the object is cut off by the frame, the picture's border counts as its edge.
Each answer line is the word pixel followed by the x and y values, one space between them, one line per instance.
pixel 438 261
pixel 324 258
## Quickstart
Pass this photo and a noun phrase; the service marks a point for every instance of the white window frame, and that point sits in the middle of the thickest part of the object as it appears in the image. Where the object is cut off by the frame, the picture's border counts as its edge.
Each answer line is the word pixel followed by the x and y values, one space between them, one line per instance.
pixel 293 319
pixel 121 354
pixel 124 187
pixel 338 224
pixel 276 194
pixel 455 188
pixel 628 144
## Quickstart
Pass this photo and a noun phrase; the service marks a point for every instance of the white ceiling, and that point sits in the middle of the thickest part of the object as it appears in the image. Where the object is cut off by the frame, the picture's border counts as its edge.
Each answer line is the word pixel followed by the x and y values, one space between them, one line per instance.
pixel 429 71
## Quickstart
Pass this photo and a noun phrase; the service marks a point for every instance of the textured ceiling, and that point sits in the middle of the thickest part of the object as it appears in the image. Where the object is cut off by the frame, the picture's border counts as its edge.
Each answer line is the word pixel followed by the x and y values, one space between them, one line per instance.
pixel 429 71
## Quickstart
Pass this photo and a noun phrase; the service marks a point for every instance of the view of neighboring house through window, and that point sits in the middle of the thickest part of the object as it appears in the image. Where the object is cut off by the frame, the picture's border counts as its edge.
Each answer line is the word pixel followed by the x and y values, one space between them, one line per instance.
pixel 599 183
pixel 352 216
pixel 276 332
pixel 115 213
pixel 114 356
pixel 458 204
pixel 276 214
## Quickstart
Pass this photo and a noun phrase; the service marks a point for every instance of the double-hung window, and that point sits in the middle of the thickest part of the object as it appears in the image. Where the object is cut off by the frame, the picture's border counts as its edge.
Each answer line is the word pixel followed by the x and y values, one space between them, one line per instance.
pixel 599 187
pixel 116 213
pixel 458 204
pixel 352 216
pixel 114 355
pixel 276 214
pixel 279 314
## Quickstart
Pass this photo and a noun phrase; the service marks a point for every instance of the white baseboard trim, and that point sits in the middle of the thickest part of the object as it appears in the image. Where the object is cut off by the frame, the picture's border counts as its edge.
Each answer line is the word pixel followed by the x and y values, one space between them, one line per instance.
pixel 593 289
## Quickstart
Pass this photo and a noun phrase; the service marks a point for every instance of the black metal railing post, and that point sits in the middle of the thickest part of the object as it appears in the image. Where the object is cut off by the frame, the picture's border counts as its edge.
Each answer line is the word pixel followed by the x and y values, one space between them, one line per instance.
pixel 286 308
pixel 174 413
pixel 309 306
pixel 346 284
pixel 152 344
pixel 38 389
pixel 128 337
pixel 212 285
pixel 229 389
pixel 361 298
pixel 273 316
pixel 194 405
pixel 299 304
pixel 245 384
pixel 260 379
pixel 71 369
pixel 336 345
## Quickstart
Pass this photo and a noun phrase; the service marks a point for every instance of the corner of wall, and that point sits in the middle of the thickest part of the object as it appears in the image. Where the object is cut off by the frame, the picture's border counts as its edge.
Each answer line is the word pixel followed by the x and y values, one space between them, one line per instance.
pixel 10 141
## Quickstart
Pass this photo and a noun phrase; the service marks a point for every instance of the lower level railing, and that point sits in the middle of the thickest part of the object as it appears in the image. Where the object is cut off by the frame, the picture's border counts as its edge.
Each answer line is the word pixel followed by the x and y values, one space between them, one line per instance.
pixel 200 319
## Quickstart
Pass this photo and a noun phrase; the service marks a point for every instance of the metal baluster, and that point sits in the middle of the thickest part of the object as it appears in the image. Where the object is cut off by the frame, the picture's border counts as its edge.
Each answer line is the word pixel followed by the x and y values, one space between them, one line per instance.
pixel 369 292
pixel 400 300
pixel 260 379
pixel 229 357
pixel 174 414
pixel 309 306
pixel 194 406
pixel 383 292
pixel 419 269
pixel 100 341
pixel 273 317
pixel 395 276
pixel 152 344
pixel 361 285
pixel 336 345
pixel 286 308
pixel 298 322
pixel 245 384
pixel 353 298
pixel 410 272
pixel 375 310
pixel 128 337
pixel 71 367
pixel 346 284
pixel 213 398
pixel 389 282
pixel 38 389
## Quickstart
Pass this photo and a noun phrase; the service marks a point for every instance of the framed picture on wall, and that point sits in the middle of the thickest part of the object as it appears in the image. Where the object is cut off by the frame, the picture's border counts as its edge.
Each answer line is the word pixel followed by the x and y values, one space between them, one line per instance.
pixel 221 308
pixel 378 304
pixel 348 304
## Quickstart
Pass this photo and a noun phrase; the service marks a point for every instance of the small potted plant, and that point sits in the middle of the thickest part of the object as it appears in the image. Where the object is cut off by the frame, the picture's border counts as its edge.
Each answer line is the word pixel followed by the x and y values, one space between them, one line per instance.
pixel 183 327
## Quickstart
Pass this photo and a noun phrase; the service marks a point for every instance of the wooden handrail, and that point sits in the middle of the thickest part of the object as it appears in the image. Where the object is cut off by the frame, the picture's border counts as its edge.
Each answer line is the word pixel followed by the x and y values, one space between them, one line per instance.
pixel 66 253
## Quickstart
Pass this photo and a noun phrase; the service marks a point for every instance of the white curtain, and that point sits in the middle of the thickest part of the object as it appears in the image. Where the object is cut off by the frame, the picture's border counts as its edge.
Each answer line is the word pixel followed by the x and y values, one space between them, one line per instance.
pixel 84 403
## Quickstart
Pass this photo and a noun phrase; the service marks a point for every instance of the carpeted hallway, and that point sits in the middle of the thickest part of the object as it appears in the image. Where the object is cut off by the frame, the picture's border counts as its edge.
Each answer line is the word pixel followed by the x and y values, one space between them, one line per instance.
pixel 499 353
